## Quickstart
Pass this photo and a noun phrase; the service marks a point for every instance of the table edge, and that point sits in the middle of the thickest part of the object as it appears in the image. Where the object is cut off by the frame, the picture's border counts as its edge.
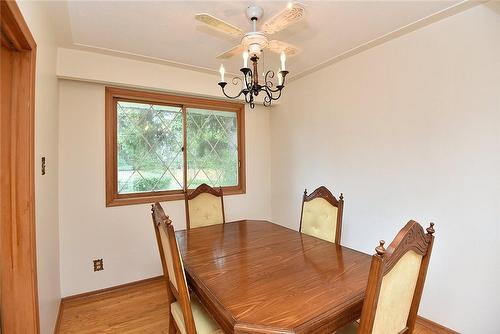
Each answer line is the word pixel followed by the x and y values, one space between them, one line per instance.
pixel 230 325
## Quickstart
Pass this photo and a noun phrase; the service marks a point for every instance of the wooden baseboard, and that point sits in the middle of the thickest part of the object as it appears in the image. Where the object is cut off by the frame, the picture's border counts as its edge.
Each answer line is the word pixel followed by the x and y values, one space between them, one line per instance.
pixel 110 289
pixel 434 327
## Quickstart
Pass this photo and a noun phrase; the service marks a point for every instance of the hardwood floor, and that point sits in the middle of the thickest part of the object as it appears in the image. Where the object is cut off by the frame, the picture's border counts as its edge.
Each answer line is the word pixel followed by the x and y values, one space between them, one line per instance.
pixel 137 308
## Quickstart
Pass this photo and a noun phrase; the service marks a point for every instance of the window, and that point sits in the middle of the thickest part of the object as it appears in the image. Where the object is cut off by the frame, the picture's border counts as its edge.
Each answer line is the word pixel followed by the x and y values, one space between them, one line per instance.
pixel 158 145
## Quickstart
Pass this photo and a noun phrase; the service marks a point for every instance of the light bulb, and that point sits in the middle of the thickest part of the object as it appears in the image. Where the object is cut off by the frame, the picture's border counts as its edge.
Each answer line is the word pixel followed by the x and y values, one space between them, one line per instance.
pixel 245 59
pixel 283 59
pixel 221 71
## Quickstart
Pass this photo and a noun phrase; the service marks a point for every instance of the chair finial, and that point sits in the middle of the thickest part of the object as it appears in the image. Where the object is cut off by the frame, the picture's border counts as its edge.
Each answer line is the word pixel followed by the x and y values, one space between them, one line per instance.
pixel 341 196
pixel 430 230
pixel 168 221
pixel 305 192
pixel 380 248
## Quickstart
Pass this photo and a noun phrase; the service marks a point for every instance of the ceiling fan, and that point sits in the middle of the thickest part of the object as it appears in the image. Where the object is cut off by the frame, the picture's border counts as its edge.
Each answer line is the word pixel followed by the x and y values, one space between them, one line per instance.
pixel 255 41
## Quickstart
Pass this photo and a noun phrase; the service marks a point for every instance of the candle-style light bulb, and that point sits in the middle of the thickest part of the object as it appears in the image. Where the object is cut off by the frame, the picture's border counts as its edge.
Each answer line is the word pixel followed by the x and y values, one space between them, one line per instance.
pixel 283 58
pixel 245 59
pixel 221 71
pixel 280 78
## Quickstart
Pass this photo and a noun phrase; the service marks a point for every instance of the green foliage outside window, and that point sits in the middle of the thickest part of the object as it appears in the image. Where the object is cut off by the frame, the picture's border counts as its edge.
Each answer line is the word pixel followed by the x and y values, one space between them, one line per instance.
pixel 150 148
pixel 212 148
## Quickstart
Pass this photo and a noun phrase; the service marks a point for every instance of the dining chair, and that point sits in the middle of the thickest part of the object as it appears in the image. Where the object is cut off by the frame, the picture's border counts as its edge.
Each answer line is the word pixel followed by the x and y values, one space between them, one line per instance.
pixel 204 206
pixel 395 283
pixel 186 314
pixel 321 215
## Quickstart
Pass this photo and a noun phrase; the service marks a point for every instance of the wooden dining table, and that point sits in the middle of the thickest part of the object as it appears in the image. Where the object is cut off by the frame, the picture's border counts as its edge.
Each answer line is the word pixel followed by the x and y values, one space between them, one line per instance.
pixel 258 277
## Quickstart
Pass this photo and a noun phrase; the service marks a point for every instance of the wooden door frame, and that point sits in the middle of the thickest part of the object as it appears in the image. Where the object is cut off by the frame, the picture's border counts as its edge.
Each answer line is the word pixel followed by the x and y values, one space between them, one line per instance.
pixel 19 294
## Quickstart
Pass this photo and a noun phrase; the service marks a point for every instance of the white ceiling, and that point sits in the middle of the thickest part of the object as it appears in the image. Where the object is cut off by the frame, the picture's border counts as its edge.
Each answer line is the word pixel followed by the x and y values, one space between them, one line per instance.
pixel 167 30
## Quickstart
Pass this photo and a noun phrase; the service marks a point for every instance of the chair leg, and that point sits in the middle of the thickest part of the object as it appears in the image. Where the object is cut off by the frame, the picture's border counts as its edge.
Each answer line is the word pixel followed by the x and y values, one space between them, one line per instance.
pixel 172 328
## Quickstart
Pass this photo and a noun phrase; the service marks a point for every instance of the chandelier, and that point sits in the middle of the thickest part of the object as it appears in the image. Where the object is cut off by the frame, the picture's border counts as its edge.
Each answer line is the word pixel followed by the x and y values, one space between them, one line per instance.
pixel 250 86
pixel 252 44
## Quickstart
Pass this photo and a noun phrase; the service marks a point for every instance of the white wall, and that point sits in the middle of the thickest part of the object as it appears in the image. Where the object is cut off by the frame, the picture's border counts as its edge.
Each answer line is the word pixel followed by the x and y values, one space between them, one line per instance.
pixel 46 189
pixel 124 236
pixel 408 130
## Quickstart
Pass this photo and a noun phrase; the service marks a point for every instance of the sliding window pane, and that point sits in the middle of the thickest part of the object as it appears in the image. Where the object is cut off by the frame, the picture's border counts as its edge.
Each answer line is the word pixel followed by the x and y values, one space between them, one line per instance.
pixel 212 142
pixel 150 139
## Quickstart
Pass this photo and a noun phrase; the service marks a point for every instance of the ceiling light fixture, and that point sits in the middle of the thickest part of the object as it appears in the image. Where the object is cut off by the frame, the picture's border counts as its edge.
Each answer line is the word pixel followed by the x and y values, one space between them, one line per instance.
pixel 252 45
pixel 250 82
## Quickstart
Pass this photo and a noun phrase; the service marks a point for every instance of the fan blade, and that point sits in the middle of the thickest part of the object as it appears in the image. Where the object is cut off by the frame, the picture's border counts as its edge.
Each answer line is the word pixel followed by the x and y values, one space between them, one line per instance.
pixel 232 52
pixel 279 46
pixel 293 12
pixel 218 24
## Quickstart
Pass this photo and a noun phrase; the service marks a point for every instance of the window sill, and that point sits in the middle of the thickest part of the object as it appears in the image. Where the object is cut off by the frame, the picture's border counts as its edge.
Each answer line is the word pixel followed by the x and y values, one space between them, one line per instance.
pixel 147 198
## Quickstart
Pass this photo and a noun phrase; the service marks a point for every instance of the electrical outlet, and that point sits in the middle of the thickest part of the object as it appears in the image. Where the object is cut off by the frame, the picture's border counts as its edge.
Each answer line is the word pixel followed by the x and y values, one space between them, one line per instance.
pixel 98 265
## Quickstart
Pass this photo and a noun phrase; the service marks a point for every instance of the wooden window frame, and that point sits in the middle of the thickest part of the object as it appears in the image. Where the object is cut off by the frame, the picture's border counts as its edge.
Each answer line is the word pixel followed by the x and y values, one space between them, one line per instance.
pixel 113 94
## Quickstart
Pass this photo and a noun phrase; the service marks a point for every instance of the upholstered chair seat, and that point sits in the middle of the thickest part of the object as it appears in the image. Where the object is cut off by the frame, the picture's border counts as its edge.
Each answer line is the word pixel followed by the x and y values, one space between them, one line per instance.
pixel 322 215
pixel 204 207
pixel 203 321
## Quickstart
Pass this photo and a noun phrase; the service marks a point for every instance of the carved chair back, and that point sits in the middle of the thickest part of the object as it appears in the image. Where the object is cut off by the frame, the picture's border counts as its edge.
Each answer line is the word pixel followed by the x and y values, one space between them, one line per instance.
pixel 204 206
pixel 321 215
pixel 396 281
pixel 173 269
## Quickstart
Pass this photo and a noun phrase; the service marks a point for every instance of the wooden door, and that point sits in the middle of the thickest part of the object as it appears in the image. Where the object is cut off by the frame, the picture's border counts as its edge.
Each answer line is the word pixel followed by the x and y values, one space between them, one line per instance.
pixel 19 297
